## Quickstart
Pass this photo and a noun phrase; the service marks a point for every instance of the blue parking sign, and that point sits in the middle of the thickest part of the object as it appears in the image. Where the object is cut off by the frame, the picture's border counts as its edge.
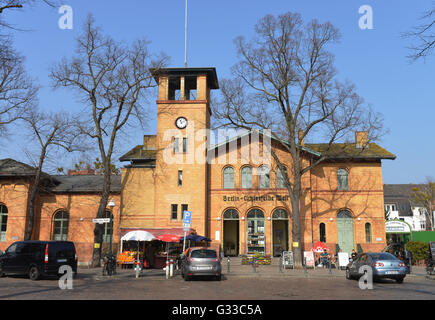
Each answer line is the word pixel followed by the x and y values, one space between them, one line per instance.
pixel 187 215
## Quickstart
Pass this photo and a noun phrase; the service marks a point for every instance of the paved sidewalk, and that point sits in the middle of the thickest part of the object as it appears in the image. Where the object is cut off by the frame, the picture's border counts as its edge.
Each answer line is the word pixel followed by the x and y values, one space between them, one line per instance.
pixel 238 270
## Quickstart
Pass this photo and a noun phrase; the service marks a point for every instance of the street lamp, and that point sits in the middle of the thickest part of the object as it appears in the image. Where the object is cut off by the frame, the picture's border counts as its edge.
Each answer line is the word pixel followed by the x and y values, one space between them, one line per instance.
pixel 111 204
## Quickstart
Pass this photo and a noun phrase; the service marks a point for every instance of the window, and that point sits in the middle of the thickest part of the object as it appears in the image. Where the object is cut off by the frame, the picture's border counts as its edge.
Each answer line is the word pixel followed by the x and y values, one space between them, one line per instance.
pixel 280 214
pixel 184 145
pixel 184 207
pixel 264 177
pixel 280 177
pixel 322 231
pixel 246 177
pixel 174 211
pixel 3 222
pixel 390 207
pixel 108 229
pixel 344 214
pixel 422 224
pixel 176 145
pixel 60 225
pixel 180 178
pixel 229 178
pixel 231 214
pixel 342 179
pixel 368 229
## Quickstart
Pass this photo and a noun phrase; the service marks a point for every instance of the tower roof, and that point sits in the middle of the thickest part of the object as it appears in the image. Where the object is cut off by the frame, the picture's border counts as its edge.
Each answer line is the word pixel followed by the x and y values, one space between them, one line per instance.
pixel 212 79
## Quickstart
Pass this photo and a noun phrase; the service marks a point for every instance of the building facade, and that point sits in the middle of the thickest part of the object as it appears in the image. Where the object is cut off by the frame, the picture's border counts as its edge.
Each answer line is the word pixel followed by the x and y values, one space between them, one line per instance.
pixel 234 189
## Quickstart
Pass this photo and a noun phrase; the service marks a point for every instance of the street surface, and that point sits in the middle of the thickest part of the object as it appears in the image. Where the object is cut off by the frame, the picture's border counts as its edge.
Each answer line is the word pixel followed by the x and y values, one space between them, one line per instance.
pixel 154 286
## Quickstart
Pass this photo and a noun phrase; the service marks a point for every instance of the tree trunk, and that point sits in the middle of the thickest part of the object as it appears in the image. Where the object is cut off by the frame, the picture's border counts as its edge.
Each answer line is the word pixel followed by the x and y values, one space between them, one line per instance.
pixel 98 230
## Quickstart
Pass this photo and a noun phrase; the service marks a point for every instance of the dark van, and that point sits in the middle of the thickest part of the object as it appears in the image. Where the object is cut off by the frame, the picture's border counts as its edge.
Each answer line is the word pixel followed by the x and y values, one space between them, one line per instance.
pixel 38 258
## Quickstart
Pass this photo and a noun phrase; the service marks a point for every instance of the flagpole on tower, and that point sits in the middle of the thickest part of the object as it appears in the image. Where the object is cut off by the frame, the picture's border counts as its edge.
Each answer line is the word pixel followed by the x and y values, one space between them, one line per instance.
pixel 185 38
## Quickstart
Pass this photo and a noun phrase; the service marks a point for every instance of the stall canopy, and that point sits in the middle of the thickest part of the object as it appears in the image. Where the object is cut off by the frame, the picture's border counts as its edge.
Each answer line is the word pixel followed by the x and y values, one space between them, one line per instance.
pixel 138 235
pixel 319 247
pixel 157 232
pixel 196 238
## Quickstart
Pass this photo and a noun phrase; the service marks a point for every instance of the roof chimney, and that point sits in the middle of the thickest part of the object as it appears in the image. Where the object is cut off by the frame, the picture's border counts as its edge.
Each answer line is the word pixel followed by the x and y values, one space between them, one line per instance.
pixel 361 139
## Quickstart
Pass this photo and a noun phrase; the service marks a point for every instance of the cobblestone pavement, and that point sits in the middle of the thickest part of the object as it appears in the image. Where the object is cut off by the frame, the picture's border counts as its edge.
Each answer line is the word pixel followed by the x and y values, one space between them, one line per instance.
pixel 241 283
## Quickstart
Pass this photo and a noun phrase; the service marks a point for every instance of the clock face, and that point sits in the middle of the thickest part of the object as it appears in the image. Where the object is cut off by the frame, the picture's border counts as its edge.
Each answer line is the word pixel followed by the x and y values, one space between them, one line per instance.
pixel 181 122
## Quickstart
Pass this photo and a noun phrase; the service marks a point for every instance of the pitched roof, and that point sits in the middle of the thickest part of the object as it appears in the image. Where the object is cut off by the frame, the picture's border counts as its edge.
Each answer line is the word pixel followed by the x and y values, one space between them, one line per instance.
pixel 85 184
pixel 400 195
pixel 348 150
pixel 12 168
pixel 139 153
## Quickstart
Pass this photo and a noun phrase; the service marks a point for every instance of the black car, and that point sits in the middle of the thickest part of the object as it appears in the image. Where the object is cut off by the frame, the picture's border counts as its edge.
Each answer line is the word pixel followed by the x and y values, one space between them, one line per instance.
pixel 38 258
pixel 398 250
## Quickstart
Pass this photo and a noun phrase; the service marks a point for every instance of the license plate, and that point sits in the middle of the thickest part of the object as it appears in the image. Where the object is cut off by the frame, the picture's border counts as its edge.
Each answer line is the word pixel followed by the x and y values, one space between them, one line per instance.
pixel 392 272
pixel 61 260
pixel 203 268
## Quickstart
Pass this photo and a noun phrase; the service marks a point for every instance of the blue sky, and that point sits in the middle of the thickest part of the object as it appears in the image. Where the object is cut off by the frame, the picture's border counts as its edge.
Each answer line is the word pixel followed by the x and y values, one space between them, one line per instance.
pixel 375 60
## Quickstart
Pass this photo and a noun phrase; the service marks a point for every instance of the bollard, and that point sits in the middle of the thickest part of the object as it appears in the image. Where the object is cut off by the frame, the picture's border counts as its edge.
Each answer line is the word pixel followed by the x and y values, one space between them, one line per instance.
pixel 137 269
pixel 171 268
pixel 254 265
pixel 410 265
pixel 228 264
pixel 330 272
pixel 280 263
pixel 167 269
pixel 305 265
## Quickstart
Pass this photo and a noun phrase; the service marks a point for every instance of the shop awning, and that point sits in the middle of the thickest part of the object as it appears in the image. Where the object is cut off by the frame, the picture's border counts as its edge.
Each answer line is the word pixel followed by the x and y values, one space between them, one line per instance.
pixel 157 232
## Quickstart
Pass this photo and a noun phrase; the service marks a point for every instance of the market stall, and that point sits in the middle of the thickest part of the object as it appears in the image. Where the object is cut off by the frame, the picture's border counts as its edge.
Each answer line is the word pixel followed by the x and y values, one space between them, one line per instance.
pixel 133 247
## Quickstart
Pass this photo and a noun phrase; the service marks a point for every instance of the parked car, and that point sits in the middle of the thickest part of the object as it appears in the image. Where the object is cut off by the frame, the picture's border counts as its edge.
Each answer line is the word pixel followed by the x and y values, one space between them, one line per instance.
pixel 399 251
pixel 38 258
pixel 430 262
pixel 201 261
pixel 383 264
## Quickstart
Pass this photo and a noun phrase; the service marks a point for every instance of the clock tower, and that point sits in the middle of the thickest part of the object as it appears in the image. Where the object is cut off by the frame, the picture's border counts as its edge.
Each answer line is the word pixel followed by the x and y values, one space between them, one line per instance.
pixel 183 123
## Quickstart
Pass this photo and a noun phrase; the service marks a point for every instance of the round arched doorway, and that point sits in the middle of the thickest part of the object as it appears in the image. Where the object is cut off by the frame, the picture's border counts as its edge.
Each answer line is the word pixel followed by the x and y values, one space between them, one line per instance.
pixel 231 232
pixel 345 231
pixel 255 231
pixel 280 231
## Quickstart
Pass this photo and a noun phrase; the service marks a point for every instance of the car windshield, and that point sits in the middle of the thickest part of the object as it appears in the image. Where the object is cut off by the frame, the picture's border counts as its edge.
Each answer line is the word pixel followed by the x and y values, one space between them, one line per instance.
pixel 203 253
pixel 382 256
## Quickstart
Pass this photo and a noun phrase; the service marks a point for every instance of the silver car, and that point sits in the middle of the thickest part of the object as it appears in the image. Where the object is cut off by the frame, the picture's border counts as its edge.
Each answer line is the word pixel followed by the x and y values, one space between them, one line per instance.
pixel 383 265
pixel 201 261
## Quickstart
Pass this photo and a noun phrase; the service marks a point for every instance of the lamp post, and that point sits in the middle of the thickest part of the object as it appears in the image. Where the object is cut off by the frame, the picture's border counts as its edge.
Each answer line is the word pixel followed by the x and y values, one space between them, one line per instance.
pixel 111 204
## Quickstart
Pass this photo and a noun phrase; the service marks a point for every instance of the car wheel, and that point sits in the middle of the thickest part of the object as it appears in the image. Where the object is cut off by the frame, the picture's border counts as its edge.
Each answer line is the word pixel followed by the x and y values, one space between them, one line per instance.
pixel 399 280
pixel 34 273
pixel 186 277
pixel 2 274
pixel 219 277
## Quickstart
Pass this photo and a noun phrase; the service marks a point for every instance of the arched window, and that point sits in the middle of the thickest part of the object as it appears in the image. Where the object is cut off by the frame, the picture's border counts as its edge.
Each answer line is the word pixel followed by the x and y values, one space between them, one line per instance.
pixel 231 214
pixel 280 178
pixel 3 222
pixel 322 232
pixel 246 177
pixel 368 228
pixel 344 214
pixel 229 178
pixel 256 233
pixel 264 177
pixel 280 214
pixel 60 225
pixel 108 229
pixel 342 179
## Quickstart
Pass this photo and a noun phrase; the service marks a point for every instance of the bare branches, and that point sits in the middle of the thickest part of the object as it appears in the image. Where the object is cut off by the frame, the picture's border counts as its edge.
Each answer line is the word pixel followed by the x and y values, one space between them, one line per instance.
pixel 8 5
pixel 424 36
pixel 17 91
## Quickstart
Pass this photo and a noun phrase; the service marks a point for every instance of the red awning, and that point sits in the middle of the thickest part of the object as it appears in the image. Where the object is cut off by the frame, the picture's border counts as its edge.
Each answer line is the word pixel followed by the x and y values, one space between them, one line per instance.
pixel 157 232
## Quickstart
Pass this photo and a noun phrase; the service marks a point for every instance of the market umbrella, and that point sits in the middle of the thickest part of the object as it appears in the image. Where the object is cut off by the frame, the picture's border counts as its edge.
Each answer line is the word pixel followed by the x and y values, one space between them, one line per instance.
pixel 168 238
pixel 137 235
pixel 319 247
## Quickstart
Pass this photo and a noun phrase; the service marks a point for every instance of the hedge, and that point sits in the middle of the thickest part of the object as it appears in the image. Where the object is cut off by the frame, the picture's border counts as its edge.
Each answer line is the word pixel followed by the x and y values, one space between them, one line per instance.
pixel 418 249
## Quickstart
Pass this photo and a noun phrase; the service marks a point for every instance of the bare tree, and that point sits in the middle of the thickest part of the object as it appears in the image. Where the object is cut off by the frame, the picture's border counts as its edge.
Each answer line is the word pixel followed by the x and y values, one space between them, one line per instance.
pixel 8 5
pixel 111 79
pixel 424 196
pixel 17 90
pixel 424 35
pixel 52 132
pixel 285 81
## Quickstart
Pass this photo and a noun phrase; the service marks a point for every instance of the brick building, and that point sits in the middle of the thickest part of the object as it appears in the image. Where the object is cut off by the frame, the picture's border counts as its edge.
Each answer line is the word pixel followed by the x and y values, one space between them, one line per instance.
pixel 234 189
